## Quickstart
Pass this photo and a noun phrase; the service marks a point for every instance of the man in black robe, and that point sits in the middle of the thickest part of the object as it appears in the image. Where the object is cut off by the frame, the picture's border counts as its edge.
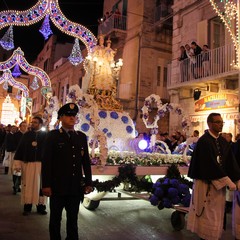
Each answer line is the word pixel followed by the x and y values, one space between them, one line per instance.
pixel 28 159
pixel 65 161
pixel 213 168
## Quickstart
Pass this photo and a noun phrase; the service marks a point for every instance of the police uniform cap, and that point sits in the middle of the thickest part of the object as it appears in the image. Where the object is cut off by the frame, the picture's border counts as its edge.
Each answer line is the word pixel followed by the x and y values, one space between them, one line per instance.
pixel 69 109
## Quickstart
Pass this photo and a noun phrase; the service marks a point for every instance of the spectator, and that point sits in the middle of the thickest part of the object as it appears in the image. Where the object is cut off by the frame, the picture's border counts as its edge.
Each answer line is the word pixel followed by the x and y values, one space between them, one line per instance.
pixel 184 64
pixel 17 174
pixel 192 59
pixel 198 65
pixel 10 148
pixel 28 159
pixel 205 60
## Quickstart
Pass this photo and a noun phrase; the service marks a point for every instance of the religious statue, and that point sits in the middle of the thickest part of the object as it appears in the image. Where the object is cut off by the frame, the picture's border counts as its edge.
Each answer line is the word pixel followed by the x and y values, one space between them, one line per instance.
pixel 100 78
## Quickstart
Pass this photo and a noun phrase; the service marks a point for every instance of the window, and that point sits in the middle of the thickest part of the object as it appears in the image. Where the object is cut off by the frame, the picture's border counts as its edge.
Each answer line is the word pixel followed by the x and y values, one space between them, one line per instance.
pixel 165 77
pixel 158 76
pixel 80 82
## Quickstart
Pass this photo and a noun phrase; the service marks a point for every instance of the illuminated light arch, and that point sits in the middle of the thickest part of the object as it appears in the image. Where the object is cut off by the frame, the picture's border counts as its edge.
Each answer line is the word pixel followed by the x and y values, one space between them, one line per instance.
pixel 7 76
pixel 51 8
pixel 230 13
pixel 18 58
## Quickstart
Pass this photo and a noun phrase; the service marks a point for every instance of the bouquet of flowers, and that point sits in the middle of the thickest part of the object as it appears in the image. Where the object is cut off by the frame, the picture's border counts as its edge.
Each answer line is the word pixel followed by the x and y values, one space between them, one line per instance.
pixel 171 190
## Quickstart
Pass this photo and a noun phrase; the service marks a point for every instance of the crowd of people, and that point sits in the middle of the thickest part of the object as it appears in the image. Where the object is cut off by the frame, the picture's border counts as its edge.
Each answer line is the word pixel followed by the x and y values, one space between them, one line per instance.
pixel 56 164
pixel 194 61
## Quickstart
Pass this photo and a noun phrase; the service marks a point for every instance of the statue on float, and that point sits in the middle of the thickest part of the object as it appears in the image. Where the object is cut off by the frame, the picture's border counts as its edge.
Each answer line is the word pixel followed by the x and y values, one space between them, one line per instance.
pixel 102 74
pixel 101 116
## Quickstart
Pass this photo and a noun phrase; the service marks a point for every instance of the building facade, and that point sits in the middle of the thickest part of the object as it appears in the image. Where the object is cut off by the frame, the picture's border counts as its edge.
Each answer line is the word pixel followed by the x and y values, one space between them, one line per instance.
pixel 141 31
pixel 207 83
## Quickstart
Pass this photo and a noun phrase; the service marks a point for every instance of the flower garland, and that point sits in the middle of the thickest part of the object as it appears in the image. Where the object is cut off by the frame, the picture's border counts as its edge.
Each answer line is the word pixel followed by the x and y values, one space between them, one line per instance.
pixel 144 158
pixel 127 174
pixel 162 109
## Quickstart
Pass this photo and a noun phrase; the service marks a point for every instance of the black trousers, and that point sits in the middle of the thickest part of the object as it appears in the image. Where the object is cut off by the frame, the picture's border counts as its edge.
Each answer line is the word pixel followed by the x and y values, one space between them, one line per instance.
pixel 71 205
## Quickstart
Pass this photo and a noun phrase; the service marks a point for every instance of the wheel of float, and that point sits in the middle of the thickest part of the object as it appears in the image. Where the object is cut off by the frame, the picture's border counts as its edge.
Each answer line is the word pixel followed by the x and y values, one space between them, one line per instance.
pixel 178 220
pixel 90 204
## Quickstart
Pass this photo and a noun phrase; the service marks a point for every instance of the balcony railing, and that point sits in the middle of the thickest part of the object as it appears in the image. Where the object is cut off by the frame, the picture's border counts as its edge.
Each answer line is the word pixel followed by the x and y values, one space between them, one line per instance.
pixel 215 63
pixel 115 21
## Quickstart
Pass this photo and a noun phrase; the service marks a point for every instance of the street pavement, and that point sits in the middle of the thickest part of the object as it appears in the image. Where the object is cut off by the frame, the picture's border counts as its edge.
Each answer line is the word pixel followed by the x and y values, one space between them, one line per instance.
pixel 112 220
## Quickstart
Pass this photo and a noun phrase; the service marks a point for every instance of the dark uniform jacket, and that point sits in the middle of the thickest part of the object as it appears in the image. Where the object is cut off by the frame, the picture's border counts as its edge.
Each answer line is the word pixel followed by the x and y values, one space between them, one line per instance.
pixel 30 146
pixel 65 161
pixel 204 164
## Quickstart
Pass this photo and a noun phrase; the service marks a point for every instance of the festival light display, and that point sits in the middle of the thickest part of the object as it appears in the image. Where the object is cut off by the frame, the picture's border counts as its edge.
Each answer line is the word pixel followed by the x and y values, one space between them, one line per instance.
pixel 7 41
pixel 228 11
pixel 34 84
pixel 45 29
pixel 18 58
pixel 51 8
pixel 7 78
pixel 16 71
pixel 76 56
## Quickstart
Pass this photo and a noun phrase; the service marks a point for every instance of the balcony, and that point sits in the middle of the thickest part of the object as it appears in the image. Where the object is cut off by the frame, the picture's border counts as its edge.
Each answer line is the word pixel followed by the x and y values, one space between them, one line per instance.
pixel 114 24
pixel 218 65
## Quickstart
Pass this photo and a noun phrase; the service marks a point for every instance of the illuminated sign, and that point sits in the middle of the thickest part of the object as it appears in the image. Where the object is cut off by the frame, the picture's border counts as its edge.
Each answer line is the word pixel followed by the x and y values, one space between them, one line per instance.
pixel 216 101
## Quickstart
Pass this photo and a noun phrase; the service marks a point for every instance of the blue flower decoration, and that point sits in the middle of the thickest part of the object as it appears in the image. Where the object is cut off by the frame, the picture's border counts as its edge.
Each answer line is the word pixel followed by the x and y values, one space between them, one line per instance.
pixel 154 200
pixel 186 200
pixel 156 184
pixel 85 127
pixel 159 192
pixel 183 188
pixel 124 119
pixel 176 200
pixel 129 129
pixel 105 130
pixel 167 203
pixel 114 115
pixel 88 117
pixel 174 182
pixel 102 114
pixel 109 134
pixel 172 192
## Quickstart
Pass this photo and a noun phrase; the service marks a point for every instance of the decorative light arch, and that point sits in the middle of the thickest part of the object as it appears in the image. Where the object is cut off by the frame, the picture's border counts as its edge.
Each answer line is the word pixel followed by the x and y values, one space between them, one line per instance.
pixel 18 58
pixel 51 8
pixel 230 13
pixel 7 76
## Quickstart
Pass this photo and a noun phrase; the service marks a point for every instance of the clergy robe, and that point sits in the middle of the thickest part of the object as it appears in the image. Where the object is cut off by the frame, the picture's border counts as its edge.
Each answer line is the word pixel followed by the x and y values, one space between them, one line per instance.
pixel 211 166
pixel 28 157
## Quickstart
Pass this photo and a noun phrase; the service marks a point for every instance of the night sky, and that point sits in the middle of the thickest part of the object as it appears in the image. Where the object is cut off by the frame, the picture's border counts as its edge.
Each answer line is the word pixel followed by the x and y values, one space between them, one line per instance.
pixel 31 41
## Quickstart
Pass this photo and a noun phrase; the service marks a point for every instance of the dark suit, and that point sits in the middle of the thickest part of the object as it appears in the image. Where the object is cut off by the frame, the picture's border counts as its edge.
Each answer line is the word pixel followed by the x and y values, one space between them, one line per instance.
pixel 65 160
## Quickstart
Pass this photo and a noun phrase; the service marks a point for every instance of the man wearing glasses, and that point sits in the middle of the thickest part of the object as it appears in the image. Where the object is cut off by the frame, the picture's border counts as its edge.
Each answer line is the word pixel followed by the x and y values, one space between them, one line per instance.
pixel 213 168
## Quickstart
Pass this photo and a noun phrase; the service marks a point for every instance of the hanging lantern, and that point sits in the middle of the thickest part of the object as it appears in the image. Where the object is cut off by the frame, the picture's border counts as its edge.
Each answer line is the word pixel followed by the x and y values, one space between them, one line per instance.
pixel 7 40
pixel 34 84
pixel 76 56
pixel 19 95
pixel 16 71
pixel 5 85
pixel 45 29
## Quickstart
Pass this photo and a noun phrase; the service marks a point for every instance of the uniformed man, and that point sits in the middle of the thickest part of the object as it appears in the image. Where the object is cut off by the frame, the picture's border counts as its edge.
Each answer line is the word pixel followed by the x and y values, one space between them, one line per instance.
pixel 28 160
pixel 65 161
